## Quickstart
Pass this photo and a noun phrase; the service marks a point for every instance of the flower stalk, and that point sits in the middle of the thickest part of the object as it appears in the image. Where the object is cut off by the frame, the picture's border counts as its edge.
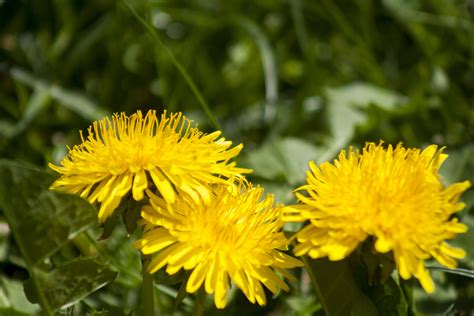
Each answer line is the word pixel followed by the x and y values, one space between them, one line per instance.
pixel 147 289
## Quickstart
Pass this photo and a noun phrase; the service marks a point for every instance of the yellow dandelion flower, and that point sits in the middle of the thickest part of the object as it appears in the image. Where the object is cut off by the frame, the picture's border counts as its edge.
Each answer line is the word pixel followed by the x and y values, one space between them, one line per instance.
pixel 394 195
pixel 236 237
pixel 121 153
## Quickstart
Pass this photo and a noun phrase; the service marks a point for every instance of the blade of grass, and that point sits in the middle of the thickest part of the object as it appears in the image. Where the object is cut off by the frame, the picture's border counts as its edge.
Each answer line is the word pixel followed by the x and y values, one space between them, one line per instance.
pixel 212 119
pixel 362 44
pixel 300 30
pixel 72 100
pixel 268 61
pixel 462 272
pixel 263 44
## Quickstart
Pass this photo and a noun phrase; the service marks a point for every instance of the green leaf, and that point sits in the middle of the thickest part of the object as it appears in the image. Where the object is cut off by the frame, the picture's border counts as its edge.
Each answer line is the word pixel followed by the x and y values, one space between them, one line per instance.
pixel 286 157
pixel 360 94
pixel 70 282
pixel 389 299
pixel 264 162
pixel 458 164
pixel 42 221
pixel 295 155
pixel 344 106
pixel 281 190
pixel 337 289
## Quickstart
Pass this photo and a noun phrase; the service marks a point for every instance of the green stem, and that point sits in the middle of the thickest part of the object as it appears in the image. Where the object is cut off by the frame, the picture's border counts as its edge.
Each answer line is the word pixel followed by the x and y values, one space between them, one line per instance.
pixel 43 301
pixel 199 303
pixel 407 290
pixel 148 294
pixel 316 287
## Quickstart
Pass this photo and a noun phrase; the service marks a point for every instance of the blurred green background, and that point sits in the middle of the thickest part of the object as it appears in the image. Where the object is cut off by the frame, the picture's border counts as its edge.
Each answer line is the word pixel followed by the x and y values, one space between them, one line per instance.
pixel 294 80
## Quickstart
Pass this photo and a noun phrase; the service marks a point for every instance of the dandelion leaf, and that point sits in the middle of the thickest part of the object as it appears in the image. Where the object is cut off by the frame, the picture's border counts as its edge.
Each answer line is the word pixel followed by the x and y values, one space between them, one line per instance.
pixel 70 282
pixel 42 221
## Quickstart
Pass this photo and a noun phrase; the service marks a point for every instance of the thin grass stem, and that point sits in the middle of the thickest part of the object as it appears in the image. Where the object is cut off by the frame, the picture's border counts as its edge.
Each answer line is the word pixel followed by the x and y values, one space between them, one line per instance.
pixel 212 119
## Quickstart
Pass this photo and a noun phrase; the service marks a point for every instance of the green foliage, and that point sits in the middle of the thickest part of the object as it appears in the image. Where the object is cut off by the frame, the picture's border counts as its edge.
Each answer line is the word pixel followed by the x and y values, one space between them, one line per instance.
pixel 70 282
pixel 42 221
pixel 338 290
pixel 293 80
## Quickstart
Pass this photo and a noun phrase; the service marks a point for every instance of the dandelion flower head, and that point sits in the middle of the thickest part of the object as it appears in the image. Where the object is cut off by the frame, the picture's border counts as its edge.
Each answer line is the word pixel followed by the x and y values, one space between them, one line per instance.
pixel 122 153
pixel 237 237
pixel 392 194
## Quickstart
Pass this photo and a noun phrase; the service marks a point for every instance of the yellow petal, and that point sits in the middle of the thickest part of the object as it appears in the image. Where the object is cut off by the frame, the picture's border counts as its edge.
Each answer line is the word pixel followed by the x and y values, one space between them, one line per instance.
pixel 285 261
pixel 241 281
pixel 108 207
pixel 402 266
pixel 108 187
pixel 197 277
pixel 425 279
pixel 303 248
pixel 160 260
pixel 211 277
pixel 156 240
pixel 259 293
pixel 383 244
pixel 454 252
pixel 140 183
pixel 163 185
pixel 222 285
pixel 124 184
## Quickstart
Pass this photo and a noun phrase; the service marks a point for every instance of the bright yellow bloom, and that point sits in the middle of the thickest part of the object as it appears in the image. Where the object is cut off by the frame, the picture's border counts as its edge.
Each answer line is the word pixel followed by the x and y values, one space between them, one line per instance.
pixel 394 195
pixel 121 153
pixel 237 236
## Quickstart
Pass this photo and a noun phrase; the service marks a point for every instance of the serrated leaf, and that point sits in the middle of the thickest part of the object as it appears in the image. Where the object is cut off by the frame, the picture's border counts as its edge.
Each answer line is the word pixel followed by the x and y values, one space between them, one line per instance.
pixel 42 221
pixel 70 282
pixel 295 155
pixel 286 157
pixel 344 104
pixel 361 94
pixel 264 162
pixel 338 291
